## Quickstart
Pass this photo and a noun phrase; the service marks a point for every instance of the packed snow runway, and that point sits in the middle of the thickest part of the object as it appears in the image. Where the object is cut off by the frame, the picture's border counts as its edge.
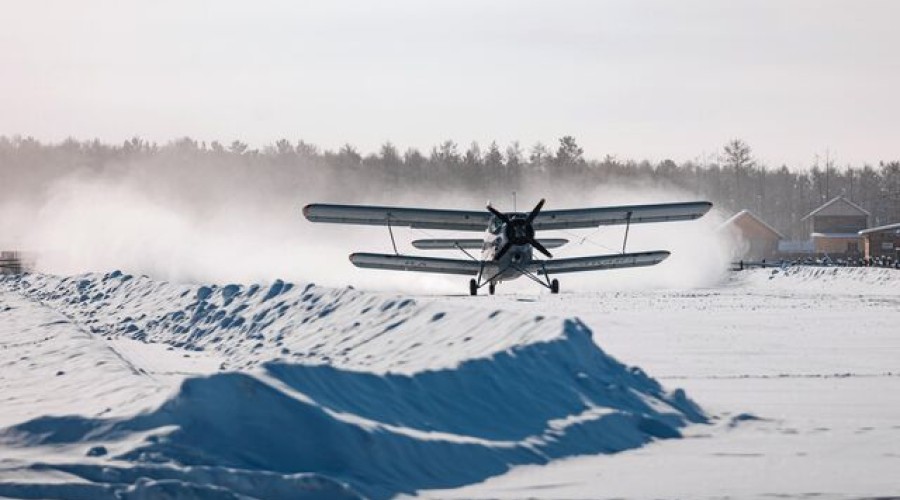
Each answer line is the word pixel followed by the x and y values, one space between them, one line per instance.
pixel 121 386
pixel 800 371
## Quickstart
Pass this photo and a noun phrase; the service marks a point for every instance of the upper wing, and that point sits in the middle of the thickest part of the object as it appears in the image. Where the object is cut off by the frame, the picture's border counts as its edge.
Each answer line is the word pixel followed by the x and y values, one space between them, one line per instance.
pixel 598 262
pixel 592 217
pixel 420 218
pixel 421 264
pixel 466 220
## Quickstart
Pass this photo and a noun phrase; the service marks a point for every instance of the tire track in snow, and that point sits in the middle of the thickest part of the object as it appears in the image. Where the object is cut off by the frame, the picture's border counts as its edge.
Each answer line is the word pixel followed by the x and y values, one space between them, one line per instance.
pixel 134 368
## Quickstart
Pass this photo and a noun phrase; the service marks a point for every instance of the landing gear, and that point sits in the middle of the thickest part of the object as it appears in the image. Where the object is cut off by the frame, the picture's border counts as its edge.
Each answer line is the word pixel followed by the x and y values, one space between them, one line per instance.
pixel 492 288
pixel 473 287
pixel 554 286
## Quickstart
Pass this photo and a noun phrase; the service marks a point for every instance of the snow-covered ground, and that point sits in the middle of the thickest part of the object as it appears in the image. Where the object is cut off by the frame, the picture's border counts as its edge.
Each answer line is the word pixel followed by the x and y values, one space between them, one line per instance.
pixel 122 386
pixel 813 354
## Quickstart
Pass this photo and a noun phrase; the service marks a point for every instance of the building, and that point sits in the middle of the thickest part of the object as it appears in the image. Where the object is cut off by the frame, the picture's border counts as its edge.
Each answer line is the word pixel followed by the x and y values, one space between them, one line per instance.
pixel 881 242
pixel 755 239
pixel 835 227
pixel 12 262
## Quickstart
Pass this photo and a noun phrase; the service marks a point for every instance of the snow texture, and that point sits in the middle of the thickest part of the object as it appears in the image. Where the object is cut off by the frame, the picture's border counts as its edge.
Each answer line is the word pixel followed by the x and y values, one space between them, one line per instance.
pixel 797 368
pixel 117 386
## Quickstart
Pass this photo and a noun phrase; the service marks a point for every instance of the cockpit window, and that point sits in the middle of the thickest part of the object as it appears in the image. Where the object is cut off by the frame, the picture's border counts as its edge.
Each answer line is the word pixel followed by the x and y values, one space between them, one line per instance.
pixel 494 226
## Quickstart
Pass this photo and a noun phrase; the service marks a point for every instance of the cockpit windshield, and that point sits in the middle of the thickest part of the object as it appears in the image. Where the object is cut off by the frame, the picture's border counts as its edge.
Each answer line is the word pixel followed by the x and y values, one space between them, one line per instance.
pixel 495 225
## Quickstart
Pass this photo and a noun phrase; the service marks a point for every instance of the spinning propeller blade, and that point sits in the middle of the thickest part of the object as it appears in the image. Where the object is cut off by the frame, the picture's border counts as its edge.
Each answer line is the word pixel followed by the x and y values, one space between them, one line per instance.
pixel 500 215
pixel 537 244
pixel 503 250
pixel 534 213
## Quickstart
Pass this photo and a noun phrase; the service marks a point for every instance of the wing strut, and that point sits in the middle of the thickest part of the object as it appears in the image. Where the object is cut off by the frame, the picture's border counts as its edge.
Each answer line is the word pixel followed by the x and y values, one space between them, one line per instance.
pixel 627 226
pixel 391 231
pixel 463 250
pixel 528 274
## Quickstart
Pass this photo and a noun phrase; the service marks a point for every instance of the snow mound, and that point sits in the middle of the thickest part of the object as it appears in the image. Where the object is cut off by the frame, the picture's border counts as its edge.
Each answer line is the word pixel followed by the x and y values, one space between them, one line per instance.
pixel 134 482
pixel 339 391
pixel 247 325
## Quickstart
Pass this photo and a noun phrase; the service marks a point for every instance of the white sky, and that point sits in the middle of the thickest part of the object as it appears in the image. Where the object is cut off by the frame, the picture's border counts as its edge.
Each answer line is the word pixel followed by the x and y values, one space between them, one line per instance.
pixel 636 79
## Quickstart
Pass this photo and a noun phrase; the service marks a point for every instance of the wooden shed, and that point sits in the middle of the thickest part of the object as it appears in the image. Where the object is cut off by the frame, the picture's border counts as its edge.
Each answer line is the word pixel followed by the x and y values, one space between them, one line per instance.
pixel 882 241
pixel 756 239
pixel 14 262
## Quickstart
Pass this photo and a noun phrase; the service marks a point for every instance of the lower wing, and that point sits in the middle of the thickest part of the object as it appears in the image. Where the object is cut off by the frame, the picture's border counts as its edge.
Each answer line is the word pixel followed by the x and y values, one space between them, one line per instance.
pixel 474 244
pixel 421 264
pixel 598 262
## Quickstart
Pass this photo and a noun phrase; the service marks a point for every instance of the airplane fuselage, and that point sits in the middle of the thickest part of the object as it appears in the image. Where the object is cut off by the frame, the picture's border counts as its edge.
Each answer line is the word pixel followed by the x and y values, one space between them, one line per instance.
pixel 513 260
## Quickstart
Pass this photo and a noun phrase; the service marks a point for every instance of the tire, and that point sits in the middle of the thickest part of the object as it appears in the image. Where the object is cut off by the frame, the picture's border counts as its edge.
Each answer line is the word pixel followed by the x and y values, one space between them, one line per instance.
pixel 473 287
pixel 492 288
pixel 554 286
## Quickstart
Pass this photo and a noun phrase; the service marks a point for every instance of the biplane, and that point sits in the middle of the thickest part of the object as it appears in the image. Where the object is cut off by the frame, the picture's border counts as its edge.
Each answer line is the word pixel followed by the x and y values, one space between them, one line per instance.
pixel 509 241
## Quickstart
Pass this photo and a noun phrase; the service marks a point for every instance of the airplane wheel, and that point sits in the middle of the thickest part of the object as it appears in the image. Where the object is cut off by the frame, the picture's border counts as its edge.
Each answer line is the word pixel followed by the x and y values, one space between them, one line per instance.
pixel 473 287
pixel 492 288
pixel 554 286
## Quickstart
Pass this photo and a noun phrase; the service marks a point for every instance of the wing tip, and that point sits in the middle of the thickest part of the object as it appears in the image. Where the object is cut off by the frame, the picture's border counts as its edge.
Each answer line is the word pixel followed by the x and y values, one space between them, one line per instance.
pixel 307 209
pixel 358 259
pixel 661 254
pixel 707 206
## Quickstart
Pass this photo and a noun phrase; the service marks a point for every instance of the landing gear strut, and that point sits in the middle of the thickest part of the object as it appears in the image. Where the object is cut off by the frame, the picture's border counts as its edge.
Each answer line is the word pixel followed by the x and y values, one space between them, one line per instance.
pixel 473 287
pixel 554 286
pixel 492 288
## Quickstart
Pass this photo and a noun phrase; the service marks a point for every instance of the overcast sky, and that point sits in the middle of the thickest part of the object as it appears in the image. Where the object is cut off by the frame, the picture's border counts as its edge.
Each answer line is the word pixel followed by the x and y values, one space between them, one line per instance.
pixel 635 79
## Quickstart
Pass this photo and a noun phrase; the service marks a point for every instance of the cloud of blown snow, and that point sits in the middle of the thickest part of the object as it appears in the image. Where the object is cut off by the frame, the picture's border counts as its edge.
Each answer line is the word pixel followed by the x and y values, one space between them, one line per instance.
pixel 197 224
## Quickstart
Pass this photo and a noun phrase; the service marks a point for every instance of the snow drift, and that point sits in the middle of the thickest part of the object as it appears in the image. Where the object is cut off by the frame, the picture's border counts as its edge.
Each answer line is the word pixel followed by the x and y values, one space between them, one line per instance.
pixel 329 392
pixel 869 280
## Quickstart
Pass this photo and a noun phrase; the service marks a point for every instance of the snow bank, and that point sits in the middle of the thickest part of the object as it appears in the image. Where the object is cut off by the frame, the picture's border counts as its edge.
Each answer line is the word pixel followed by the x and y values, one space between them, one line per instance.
pixel 304 323
pixel 135 483
pixel 825 279
pixel 323 388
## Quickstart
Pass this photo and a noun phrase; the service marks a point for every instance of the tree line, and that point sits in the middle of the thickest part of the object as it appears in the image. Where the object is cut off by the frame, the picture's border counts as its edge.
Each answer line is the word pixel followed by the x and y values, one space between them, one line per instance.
pixel 734 180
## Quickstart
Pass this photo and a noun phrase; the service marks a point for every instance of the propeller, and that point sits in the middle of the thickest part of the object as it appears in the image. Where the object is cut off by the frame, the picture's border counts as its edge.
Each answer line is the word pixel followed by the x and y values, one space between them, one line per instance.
pixel 500 215
pixel 520 231
pixel 534 213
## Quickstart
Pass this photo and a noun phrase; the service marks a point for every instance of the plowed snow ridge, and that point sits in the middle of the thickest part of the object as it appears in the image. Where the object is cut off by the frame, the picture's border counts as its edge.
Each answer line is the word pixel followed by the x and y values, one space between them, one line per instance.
pixel 314 392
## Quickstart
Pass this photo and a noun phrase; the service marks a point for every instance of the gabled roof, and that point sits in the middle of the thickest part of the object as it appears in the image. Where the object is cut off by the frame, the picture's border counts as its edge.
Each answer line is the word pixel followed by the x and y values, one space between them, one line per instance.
pixel 746 213
pixel 838 199
pixel 880 229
